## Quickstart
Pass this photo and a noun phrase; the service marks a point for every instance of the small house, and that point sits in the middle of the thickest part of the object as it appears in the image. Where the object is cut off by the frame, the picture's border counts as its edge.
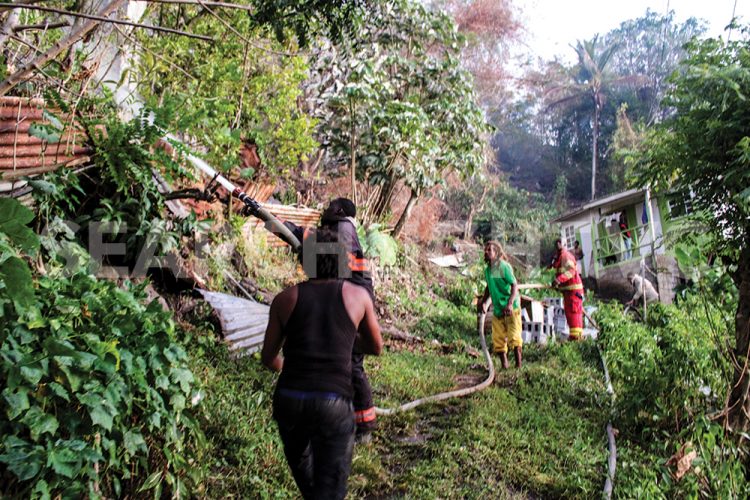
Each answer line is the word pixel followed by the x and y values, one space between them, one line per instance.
pixel 620 232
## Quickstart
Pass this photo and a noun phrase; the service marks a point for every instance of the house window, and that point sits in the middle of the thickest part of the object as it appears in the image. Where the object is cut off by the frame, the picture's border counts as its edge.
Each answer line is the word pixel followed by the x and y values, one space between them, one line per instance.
pixel 570 236
pixel 680 204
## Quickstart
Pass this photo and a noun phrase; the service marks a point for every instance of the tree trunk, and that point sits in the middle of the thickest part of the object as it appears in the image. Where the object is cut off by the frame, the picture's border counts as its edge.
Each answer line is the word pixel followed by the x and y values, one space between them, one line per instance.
pixel 383 201
pixel 475 207
pixel 467 224
pixel 405 214
pixel 594 148
pixel 58 48
pixel 7 29
pixel 738 418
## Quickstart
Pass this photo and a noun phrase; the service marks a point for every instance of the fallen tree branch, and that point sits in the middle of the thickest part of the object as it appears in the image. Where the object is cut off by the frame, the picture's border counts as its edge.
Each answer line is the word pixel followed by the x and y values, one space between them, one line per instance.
pixel 40 26
pixel 104 19
pixel 60 84
pixel 399 335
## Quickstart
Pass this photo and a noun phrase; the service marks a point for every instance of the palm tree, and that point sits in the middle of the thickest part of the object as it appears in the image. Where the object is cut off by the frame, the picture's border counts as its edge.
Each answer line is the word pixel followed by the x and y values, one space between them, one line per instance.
pixel 588 79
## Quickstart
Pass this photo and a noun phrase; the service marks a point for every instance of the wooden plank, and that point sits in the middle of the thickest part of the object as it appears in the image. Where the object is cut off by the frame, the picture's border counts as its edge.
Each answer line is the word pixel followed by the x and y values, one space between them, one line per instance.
pixel 24 139
pixel 10 163
pixel 10 174
pixel 36 102
pixel 304 217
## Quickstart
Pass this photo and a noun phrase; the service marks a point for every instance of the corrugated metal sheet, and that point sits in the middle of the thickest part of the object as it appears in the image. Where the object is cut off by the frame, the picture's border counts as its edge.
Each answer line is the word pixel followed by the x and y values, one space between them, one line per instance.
pixel 305 217
pixel 243 322
pixel 22 154
pixel 259 191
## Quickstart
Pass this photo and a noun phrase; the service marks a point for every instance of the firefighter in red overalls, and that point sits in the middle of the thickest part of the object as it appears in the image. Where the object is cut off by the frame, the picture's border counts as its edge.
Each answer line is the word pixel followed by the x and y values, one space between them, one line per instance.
pixel 568 281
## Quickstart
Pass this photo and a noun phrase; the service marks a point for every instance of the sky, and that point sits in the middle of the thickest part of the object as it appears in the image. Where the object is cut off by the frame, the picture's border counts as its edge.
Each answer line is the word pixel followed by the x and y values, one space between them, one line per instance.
pixel 552 25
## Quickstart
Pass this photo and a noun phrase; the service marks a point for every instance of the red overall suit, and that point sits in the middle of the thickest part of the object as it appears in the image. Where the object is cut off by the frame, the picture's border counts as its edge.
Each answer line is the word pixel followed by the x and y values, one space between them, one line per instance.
pixel 569 282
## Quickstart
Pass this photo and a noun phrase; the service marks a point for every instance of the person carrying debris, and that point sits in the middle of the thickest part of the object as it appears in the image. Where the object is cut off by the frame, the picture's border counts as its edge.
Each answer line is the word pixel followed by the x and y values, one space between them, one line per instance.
pixel 568 281
pixel 317 324
pixel 339 216
pixel 643 290
pixel 502 287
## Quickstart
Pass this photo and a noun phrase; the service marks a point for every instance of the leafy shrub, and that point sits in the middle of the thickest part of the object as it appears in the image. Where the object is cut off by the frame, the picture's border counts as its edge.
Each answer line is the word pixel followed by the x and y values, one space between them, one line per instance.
pixel 377 244
pixel 95 390
pixel 668 375
pixel 120 192
pixel 664 373
pixel 462 292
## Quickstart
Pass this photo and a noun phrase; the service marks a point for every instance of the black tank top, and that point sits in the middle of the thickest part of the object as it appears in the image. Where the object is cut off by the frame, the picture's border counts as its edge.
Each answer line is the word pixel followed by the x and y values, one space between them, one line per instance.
pixel 318 341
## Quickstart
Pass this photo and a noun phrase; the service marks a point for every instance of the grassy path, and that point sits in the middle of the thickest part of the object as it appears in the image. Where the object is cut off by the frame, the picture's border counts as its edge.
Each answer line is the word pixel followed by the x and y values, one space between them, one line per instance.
pixel 537 432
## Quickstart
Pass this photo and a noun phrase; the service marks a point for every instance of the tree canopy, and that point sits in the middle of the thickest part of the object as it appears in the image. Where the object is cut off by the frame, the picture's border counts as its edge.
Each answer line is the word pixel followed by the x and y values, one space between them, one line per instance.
pixel 703 149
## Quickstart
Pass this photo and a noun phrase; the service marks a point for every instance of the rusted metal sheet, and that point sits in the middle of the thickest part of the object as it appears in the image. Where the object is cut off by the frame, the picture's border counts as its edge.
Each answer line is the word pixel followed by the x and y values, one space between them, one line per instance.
pixel 243 322
pixel 22 154
pixel 305 217
pixel 259 191
pixel 33 150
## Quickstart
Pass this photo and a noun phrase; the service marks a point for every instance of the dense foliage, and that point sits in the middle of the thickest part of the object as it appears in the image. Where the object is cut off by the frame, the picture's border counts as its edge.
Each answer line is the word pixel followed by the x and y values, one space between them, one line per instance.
pixel 395 104
pixel 96 392
pixel 703 149
pixel 669 377
pixel 244 89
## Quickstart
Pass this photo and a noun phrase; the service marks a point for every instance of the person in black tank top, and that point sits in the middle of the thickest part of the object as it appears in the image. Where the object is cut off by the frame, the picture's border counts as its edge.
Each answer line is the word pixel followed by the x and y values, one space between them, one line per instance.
pixel 317 324
pixel 339 216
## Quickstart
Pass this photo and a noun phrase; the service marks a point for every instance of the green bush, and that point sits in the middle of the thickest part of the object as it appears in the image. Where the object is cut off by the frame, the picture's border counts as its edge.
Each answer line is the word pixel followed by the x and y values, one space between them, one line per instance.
pixel 665 372
pixel 668 375
pixel 95 390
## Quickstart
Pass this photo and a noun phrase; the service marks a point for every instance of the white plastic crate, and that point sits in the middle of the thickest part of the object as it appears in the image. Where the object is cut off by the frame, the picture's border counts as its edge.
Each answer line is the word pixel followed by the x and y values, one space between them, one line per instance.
pixel 554 301
pixel 526 336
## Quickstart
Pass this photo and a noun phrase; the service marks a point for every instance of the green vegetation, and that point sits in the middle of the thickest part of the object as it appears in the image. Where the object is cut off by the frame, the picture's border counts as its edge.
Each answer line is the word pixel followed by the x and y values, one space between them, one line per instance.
pixel 665 406
pixel 703 148
pixel 539 430
pixel 106 393
pixel 242 455
pixel 88 410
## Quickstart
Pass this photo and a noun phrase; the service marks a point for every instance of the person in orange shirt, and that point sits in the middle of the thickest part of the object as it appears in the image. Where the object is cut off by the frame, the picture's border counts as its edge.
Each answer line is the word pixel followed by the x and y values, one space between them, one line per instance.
pixel 568 281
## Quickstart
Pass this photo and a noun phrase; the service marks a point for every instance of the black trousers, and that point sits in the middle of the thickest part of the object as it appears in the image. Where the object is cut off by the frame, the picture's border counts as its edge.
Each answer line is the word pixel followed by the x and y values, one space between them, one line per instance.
pixel 363 405
pixel 362 392
pixel 318 437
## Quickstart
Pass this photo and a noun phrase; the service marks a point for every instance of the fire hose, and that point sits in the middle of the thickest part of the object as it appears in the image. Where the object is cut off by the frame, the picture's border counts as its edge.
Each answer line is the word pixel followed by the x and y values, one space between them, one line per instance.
pixel 612 459
pixel 456 393
pixel 252 207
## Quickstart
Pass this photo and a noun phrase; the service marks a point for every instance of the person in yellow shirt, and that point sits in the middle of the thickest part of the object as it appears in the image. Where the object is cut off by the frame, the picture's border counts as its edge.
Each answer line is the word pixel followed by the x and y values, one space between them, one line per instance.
pixel 502 287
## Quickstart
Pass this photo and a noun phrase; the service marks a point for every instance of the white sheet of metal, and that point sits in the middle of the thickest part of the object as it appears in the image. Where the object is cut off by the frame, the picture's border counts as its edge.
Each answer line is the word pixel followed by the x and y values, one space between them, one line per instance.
pixel 243 322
